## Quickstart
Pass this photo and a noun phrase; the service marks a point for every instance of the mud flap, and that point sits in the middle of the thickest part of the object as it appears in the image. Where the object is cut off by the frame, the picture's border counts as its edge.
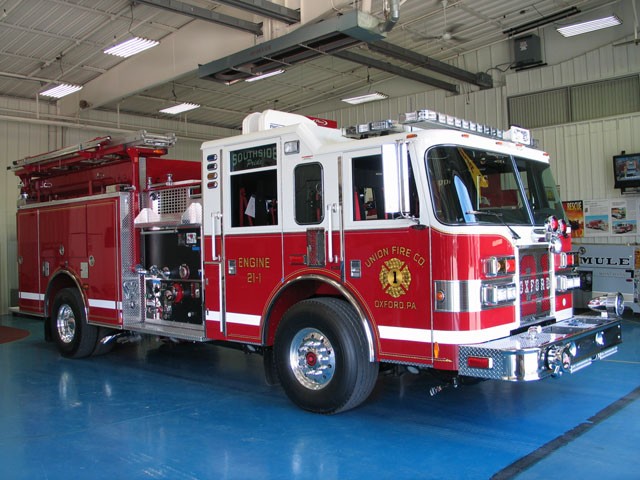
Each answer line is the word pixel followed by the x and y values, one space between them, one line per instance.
pixel 270 372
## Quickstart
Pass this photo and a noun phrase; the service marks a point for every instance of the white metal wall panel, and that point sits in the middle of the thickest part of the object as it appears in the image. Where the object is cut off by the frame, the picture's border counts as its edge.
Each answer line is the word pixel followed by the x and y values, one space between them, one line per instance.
pixel 16 141
pixel 23 133
pixel 581 156
pixel 605 62
pixel 480 106
pixel 581 161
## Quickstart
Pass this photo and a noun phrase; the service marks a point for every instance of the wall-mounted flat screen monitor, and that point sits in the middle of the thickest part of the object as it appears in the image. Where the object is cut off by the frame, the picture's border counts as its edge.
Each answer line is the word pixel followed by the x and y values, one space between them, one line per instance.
pixel 626 170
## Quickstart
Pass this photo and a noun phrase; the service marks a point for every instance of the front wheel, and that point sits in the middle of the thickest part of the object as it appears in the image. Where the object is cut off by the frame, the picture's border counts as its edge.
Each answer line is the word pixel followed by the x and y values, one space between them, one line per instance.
pixel 322 356
pixel 72 334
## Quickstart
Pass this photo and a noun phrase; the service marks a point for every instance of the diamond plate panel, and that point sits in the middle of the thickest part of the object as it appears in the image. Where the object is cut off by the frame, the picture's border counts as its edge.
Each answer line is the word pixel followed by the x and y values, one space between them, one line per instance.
pixel 131 281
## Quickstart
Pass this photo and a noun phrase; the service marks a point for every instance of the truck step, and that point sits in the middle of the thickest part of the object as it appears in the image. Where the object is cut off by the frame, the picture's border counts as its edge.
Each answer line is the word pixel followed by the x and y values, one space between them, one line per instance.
pixel 184 332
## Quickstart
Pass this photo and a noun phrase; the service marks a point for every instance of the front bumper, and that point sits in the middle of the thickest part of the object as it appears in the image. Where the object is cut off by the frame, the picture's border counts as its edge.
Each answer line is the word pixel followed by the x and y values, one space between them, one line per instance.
pixel 565 346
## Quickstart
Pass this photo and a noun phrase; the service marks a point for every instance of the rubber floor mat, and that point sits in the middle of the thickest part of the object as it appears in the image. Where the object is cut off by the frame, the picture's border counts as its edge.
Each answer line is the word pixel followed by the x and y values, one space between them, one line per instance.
pixel 10 334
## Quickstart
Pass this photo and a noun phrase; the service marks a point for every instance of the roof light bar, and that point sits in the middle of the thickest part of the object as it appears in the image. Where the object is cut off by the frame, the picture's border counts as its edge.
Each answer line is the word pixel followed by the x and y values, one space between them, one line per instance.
pixel 265 75
pixel 131 47
pixel 369 97
pixel 183 107
pixel 61 90
pixel 590 26
pixel 423 119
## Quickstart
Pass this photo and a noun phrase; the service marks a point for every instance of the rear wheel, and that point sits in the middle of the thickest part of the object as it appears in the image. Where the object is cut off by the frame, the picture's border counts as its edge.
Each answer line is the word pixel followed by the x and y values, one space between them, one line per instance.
pixel 72 334
pixel 322 356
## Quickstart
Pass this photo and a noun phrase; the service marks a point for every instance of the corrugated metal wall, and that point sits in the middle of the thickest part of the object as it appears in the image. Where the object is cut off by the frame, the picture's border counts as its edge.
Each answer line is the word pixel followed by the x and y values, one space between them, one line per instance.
pixel 581 152
pixel 602 98
pixel 605 98
pixel 16 141
pixel 21 137
pixel 605 62
pixel 539 109
pixel 582 159
pixel 482 107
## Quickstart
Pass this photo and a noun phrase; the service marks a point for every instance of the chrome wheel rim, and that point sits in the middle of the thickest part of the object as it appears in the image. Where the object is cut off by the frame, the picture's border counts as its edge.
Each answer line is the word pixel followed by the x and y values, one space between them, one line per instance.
pixel 312 358
pixel 66 323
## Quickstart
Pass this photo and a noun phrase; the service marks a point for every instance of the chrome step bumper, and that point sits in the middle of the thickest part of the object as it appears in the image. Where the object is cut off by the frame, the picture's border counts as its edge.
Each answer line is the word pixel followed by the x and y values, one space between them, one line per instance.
pixel 565 346
pixel 193 333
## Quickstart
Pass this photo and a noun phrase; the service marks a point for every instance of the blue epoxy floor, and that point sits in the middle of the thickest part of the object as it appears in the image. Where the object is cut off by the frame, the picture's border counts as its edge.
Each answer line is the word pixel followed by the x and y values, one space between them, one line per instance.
pixel 184 411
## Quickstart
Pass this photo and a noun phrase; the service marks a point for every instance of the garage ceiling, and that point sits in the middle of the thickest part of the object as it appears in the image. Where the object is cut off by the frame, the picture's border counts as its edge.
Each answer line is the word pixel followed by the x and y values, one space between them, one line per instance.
pixel 45 42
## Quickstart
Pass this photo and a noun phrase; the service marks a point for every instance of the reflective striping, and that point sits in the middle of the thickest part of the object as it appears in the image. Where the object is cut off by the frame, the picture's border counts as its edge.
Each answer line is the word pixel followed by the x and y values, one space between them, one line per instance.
pixel 236 318
pixel 106 304
pixel 406 334
pixel 243 319
pixel 444 336
pixel 31 296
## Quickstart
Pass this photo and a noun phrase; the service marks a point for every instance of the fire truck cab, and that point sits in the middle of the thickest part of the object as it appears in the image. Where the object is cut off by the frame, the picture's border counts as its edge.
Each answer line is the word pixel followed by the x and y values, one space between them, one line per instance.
pixel 427 243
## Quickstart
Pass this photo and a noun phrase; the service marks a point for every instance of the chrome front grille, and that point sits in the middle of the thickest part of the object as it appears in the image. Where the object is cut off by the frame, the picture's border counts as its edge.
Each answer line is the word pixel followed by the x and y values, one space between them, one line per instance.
pixel 535 284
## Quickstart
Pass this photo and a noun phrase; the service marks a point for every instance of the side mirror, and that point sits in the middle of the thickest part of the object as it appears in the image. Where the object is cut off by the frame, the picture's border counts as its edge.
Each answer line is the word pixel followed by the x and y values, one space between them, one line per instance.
pixel 395 169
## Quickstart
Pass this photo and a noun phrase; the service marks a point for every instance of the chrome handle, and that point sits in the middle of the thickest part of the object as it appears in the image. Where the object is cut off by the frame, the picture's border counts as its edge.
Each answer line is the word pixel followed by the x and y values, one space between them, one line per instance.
pixel 330 233
pixel 214 253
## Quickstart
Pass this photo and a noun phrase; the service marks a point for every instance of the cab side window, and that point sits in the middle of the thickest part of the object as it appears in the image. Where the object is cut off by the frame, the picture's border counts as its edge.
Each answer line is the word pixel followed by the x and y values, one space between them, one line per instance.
pixel 309 194
pixel 254 186
pixel 368 190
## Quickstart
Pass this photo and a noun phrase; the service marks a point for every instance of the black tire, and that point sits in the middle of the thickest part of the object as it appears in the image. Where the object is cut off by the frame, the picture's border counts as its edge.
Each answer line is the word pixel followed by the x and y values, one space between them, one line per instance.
pixel 322 356
pixel 70 331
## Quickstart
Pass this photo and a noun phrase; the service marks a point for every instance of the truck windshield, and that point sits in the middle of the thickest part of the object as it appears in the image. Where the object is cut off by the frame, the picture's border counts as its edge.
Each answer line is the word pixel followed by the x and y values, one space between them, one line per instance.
pixel 471 186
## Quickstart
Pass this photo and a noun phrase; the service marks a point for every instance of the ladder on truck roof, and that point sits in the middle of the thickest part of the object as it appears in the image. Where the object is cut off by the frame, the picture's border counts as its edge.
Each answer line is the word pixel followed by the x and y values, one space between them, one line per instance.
pixel 89 167
pixel 96 149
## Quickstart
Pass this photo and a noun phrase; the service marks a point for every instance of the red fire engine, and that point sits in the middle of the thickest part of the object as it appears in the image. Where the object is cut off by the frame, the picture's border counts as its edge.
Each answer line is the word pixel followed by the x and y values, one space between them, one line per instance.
pixel 429 243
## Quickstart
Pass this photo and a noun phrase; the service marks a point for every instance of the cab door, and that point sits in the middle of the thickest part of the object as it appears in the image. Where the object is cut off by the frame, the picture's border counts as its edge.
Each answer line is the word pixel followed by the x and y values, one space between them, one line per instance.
pixel 311 213
pixel 387 252
pixel 251 234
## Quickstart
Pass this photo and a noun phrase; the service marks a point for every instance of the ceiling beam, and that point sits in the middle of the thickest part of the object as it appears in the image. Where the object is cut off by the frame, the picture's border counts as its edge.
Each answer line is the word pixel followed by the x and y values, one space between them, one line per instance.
pixel 177 55
pixel 394 69
pixel 204 14
pixel 265 9
pixel 480 79
pixel 302 44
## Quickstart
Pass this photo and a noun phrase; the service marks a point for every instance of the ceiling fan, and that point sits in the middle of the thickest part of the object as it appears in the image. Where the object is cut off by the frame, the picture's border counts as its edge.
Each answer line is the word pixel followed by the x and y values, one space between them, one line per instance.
pixel 448 34
pixel 636 40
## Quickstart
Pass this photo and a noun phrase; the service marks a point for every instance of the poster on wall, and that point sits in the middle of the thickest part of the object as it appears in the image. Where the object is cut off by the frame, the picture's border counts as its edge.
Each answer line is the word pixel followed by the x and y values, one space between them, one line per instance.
pixel 624 217
pixel 597 218
pixel 575 215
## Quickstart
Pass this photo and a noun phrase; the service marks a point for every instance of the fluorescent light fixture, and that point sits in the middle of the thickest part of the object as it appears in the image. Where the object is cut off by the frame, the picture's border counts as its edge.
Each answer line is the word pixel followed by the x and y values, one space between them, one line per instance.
pixel 61 90
pixel 265 75
pixel 183 107
pixel 590 26
pixel 131 47
pixel 369 97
